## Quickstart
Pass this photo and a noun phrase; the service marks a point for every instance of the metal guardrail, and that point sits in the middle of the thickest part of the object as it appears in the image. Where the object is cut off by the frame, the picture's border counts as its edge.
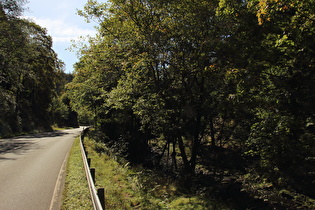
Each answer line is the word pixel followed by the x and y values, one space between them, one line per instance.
pixel 97 196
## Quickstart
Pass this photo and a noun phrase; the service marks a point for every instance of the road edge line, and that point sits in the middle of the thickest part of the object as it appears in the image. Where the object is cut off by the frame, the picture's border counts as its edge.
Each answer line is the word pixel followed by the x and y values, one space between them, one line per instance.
pixel 60 183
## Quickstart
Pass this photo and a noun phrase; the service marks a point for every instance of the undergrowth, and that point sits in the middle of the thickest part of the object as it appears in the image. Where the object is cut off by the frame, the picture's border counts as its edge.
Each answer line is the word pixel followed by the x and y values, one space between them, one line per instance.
pixel 134 187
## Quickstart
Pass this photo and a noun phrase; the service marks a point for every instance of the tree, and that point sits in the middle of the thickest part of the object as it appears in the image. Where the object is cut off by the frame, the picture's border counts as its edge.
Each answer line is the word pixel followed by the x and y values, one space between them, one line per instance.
pixel 60 111
pixel 28 71
pixel 167 78
pixel 283 71
pixel 195 73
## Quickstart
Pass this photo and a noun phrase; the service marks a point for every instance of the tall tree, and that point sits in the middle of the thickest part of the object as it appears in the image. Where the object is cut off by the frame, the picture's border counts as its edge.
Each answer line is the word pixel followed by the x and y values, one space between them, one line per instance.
pixel 279 83
pixel 28 71
pixel 187 71
pixel 169 77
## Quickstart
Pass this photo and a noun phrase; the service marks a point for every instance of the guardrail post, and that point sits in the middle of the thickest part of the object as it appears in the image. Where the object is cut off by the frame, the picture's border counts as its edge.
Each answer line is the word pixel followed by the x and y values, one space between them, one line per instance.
pixel 96 195
pixel 101 196
pixel 92 171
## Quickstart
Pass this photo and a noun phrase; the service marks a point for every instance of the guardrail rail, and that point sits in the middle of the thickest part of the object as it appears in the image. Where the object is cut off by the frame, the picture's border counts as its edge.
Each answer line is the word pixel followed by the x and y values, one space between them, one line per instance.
pixel 97 195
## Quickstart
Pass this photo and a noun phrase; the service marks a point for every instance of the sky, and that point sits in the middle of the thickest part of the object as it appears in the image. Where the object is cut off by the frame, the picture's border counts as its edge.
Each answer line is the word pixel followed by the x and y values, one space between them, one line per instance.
pixel 63 24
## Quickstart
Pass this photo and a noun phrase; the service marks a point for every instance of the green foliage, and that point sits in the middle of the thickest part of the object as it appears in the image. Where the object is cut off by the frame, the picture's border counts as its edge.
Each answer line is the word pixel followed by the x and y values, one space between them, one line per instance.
pixel 129 187
pixel 60 111
pixel 284 89
pixel 236 74
pixel 153 60
pixel 12 8
pixel 28 71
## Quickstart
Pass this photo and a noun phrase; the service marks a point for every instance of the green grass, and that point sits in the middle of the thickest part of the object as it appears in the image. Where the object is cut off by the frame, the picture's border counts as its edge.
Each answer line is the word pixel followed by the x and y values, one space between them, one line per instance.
pixel 76 194
pixel 134 187
pixel 129 187
pixel 56 128
pixel 121 186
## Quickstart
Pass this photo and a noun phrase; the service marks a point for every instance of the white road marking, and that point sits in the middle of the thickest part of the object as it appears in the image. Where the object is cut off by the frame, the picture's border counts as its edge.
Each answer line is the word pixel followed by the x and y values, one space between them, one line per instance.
pixel 56 199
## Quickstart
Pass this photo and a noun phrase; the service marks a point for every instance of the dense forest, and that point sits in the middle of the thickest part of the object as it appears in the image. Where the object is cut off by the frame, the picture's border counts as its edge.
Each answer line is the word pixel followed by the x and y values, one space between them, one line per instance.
pixel 219 94
pixel 31 76
pixel 203 86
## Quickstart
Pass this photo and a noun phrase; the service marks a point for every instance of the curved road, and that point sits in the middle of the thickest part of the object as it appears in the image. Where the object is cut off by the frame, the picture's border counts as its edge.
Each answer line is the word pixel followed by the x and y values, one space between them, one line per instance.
pixel 31 170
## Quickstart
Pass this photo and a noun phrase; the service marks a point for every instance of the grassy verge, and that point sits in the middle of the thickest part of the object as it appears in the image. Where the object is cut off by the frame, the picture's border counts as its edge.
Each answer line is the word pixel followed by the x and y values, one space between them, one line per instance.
pixel 129 187
pixel 76 194
pixel 56 128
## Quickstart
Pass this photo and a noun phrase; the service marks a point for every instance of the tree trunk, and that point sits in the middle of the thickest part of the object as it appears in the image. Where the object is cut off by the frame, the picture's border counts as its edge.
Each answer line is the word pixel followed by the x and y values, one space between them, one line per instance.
pixel 212 132
pixel 183 153
pixel 221 134
pixel 168 154
pixel 164 149
pixel 194 152
pixel 174 162
pixel 195 144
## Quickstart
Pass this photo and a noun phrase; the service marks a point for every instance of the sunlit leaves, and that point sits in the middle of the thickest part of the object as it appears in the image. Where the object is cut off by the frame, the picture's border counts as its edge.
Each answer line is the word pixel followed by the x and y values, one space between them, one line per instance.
pixel 28 71
pixel 185 69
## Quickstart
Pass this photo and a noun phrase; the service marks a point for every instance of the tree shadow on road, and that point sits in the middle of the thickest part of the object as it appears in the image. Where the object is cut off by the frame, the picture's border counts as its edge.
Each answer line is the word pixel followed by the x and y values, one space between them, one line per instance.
pixel 43 135
pixel 14 145
pixel 4 158
pixel 23 143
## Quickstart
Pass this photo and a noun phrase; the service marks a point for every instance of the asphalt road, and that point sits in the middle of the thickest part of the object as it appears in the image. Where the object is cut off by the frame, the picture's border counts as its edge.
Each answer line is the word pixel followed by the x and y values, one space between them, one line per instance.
pixel 32 170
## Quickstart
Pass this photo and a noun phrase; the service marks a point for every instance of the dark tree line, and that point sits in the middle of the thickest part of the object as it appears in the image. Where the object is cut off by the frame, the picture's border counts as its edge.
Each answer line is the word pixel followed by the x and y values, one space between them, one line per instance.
pixel 225 74
pixel 29 72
